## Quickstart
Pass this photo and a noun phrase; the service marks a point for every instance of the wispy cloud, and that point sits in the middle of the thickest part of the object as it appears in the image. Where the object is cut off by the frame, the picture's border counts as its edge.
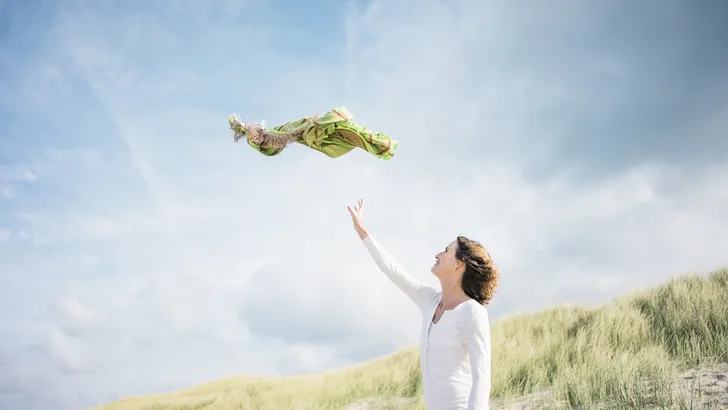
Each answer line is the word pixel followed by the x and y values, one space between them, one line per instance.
pixel 136 235
pixel 10 176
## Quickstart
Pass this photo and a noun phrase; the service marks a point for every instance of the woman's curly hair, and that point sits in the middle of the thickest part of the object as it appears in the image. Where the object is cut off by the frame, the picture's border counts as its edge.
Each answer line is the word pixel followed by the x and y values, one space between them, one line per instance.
pixel 480 278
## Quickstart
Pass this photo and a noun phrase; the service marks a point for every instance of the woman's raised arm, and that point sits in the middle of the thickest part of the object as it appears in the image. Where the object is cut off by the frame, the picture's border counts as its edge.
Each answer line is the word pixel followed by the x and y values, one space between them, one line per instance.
pixel 417 291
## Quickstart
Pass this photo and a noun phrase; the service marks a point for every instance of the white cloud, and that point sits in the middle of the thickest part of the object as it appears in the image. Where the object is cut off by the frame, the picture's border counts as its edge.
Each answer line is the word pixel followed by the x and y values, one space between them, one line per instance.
pixel 306 358
pixel 69 353
pixel 76 317
pixel 5 235
pixel 11 176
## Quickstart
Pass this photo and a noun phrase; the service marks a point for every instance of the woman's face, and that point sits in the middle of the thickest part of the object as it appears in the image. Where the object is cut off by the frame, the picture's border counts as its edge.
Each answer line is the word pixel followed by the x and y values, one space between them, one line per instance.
pixel 446 264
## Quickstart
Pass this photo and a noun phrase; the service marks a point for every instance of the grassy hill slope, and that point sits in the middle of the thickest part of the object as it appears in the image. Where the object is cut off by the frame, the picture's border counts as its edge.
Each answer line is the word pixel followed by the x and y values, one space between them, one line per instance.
pixel 626 354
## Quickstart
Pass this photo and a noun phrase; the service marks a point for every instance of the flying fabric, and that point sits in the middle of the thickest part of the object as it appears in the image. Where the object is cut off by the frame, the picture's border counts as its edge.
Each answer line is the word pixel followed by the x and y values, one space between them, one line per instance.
pixel 332 134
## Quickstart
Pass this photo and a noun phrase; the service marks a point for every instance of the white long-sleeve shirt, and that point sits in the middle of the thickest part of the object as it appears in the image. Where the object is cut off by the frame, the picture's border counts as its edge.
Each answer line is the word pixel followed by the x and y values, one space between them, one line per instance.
pixel 454 352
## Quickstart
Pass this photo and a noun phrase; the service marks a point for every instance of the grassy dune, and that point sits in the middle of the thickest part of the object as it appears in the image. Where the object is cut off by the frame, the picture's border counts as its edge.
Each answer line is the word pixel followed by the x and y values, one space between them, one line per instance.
pixel 626 354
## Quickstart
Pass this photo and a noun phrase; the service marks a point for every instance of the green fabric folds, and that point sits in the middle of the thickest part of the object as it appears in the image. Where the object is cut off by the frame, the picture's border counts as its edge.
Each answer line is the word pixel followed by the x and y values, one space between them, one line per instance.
pixel 332 134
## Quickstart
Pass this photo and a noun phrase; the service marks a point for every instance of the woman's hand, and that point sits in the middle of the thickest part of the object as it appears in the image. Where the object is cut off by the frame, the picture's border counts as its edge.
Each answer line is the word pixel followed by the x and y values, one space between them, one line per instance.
pixel 357 214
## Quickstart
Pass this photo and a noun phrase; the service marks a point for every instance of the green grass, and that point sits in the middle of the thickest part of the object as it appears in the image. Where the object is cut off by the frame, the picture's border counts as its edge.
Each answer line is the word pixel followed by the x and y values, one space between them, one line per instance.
pixel 624 355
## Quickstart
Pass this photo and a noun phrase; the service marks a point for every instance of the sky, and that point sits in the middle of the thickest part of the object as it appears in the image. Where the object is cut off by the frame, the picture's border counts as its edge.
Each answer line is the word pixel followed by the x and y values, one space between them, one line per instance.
pixel 142 250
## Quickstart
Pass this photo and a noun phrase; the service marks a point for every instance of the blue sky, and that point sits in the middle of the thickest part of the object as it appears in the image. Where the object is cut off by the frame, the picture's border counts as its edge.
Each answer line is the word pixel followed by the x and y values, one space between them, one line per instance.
pixel 142 250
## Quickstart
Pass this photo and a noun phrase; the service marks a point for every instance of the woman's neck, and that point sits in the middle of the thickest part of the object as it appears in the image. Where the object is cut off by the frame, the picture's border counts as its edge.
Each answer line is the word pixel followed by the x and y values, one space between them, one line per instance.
pixel 452 294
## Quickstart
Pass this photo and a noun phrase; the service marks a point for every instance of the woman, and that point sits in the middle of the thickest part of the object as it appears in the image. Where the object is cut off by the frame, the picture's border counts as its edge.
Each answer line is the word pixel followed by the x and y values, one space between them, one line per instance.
pixel 455 337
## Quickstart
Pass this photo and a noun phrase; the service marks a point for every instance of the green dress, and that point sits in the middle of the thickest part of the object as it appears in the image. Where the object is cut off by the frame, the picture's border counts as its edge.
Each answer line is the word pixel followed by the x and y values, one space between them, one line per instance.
pixel 332 134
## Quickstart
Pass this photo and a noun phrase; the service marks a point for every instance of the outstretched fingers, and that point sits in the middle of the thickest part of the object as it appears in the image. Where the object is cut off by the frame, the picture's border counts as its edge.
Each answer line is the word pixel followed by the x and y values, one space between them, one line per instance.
pixel 356 211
